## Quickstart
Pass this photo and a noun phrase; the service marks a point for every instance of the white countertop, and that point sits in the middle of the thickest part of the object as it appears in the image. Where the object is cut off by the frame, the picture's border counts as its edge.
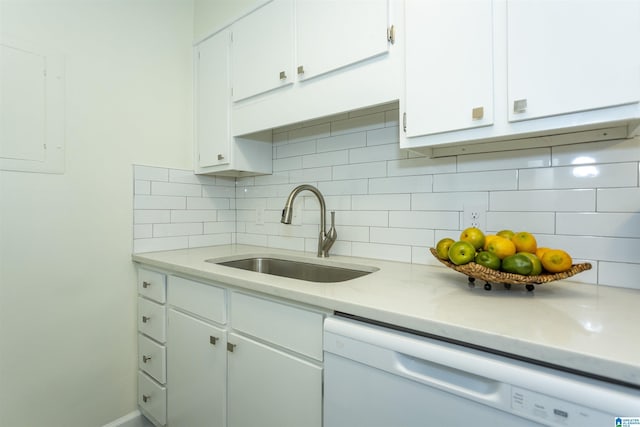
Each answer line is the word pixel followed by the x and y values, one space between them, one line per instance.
pixel 589 328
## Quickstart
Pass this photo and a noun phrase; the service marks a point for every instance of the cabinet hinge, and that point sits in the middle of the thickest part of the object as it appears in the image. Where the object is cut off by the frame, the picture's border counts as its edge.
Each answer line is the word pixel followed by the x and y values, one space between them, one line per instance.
pixel 391 34
pixel 404 122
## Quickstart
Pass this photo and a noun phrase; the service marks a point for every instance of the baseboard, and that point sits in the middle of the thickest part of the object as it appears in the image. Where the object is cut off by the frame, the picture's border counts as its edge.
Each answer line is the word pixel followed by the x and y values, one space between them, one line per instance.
pixel 132 419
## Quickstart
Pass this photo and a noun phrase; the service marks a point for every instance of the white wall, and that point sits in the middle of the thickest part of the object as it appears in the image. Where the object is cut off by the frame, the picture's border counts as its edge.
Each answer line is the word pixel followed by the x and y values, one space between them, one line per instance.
pixel 210 16
pixel 67 293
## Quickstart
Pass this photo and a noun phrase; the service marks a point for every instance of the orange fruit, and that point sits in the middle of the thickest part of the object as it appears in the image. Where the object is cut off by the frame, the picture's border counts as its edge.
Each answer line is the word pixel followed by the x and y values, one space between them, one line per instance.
pixel 525 242
pixel 502 247
pixel 487 239
pixel 507 234
pixel 442 248
pixel 474 236
pixel 556 261
pixel 541 251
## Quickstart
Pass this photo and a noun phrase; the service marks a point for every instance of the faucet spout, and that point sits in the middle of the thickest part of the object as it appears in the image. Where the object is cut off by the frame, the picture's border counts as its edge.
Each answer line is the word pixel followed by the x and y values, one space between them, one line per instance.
pixel 325 239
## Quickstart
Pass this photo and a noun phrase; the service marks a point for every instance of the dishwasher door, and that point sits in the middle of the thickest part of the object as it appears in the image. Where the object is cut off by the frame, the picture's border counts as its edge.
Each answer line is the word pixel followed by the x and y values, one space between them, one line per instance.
pixel 378 377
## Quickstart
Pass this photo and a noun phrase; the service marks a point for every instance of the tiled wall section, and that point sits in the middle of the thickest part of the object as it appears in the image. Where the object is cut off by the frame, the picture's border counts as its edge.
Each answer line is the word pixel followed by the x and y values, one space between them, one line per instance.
pixel 175 209
pixel 393 205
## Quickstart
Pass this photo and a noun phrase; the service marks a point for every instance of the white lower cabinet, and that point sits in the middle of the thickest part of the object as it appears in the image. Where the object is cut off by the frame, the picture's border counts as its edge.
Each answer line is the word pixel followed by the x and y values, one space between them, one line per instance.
pixel 152 399
pixel 197 372
pixel 152 391
pixel 218 357
pixel 271 388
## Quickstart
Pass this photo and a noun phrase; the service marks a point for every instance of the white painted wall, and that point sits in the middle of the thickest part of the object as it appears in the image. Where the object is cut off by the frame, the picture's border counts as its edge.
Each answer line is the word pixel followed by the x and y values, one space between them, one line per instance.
pixel 211 15
pixel 67 294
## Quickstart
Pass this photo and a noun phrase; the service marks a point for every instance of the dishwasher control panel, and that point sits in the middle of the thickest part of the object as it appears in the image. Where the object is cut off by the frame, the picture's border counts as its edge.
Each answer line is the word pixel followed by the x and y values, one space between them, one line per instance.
pixel 555 412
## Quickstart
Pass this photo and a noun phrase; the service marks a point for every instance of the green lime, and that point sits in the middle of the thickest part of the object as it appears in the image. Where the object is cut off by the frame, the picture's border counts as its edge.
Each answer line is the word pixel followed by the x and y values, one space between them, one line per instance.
pixel 535 261
pixel 517 263
pixel 488 259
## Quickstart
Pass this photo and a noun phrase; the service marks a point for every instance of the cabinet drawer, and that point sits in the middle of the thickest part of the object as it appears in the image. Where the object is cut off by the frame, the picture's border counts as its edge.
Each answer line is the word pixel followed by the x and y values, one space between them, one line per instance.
pixel 151 319
pixel 152 398
pixel 287 326
pixel 152 358
pixel 197 298
pixel 151 284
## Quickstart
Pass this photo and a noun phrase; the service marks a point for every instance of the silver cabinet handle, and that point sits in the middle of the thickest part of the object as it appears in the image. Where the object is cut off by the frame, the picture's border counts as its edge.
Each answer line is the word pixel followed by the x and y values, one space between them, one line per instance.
pixel 283 75
pixel 145 359
pixel 213 340
pixel 145 319
pixel 220 157
pixel 146 284
pixel 300 69
pixel 146 398
pixel 230 347
pixel 477 113
pixel 391 34
pixel 519 106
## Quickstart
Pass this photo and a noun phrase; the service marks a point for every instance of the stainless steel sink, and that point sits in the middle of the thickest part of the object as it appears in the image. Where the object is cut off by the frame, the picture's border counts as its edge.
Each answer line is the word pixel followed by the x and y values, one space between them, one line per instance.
pixel 297 269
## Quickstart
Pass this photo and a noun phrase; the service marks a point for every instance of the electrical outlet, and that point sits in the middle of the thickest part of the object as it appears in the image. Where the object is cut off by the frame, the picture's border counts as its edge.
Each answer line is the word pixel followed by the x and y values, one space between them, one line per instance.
pixel 475 216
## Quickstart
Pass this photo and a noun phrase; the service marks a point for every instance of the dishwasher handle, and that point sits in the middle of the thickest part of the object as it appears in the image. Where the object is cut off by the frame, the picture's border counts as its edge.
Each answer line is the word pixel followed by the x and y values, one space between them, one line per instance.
pixel 446 378
pixel 436 364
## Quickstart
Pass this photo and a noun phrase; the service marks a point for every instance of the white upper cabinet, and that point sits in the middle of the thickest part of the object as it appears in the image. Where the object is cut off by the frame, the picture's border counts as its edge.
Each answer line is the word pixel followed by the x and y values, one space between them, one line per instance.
pixel 448 90
pixel 335 34
pixel 334 56
pixel 213 104
pixel 519 73
pixel 570 56
pixel 217 152
pixel 262 54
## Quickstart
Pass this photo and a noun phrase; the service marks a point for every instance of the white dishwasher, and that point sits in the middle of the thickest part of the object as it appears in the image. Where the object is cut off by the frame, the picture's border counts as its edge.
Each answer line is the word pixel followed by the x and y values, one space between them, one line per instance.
pixel 380 377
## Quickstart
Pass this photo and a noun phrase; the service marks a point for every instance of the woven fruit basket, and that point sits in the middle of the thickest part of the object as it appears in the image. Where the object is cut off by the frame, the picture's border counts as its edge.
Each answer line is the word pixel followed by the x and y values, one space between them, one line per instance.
pixel 476 271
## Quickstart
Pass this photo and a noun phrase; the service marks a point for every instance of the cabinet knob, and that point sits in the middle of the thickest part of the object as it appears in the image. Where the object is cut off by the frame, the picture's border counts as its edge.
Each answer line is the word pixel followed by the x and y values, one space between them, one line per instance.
pixel 220 157
pixel 213 340
pixel 145 319
pixel 477 113
pixel 283 75
pixel 145 359
pixel 146 398
pixel 230 347
pixel 300 69
pixel 146 284
pixel 519 106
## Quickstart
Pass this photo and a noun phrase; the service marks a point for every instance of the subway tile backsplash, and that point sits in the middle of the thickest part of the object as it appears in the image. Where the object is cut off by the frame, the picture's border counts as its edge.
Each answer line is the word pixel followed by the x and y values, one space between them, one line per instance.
pixel 175 209
pixel 392 204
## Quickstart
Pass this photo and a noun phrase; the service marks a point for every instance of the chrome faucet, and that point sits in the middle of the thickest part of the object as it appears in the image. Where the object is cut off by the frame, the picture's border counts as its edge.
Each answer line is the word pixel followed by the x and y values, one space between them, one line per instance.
pixel 326 239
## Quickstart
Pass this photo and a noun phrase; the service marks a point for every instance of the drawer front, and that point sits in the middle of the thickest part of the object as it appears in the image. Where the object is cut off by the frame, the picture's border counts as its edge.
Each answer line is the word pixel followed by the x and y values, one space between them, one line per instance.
pixel 152 358
pixel 197 298
pixel 151 284
pixel 151 319
pixel 152 398
pixel 291 327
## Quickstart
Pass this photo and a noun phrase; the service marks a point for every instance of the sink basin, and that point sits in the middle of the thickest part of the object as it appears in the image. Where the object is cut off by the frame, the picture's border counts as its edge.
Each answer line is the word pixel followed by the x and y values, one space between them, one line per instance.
pixel 297 269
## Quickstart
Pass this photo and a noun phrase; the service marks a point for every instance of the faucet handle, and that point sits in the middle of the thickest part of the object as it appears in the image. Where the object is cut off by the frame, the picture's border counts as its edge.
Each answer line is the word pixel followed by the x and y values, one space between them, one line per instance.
pixel 332 235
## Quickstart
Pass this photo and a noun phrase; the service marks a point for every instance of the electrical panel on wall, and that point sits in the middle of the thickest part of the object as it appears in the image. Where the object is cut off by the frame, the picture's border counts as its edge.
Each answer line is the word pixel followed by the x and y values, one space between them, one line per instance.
pixel 31 108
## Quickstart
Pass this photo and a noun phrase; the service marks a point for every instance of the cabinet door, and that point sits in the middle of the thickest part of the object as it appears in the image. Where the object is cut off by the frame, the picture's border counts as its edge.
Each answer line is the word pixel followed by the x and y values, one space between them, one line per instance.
pixel 569 56
pixel 213 103
pixel 449 65
pixel 196 371
pixel 262 52
pixel 270 388
pixel 334 34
